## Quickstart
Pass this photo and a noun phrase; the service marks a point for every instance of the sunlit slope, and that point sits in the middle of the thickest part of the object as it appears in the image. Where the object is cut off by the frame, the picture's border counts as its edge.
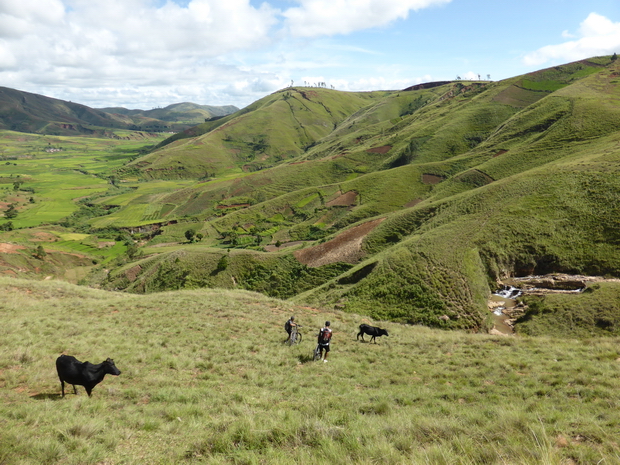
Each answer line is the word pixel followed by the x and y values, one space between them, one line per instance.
pixel 473 132
pixel 441 258
pixel 205 378
pixel 278 127
pixel 555 207
pixel 468 183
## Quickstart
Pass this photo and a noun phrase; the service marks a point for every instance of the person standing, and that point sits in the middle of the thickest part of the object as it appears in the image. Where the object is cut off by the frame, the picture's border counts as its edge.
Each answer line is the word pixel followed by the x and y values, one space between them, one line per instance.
pixel 324 338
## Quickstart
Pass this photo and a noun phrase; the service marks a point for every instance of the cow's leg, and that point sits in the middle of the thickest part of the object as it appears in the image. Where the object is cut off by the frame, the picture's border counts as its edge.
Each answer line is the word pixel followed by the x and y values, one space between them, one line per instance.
pixel 74 389
pixel 62 387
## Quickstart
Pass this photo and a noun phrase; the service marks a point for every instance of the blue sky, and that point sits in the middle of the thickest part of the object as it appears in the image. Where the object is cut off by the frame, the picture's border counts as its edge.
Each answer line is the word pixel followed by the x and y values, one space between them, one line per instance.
pixel 151 53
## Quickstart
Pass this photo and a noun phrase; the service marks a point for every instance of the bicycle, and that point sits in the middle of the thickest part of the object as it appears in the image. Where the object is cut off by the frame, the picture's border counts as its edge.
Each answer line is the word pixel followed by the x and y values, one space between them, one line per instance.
pixel 317 353
pixel 296 336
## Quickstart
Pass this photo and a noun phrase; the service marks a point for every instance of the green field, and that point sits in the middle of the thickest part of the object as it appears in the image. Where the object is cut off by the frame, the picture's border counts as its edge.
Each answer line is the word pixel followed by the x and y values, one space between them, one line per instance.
pixel 206 379
pixel 81 167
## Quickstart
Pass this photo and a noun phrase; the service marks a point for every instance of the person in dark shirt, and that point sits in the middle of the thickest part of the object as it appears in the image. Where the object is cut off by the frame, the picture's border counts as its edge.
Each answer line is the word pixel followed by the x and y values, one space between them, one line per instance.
pixel 324 338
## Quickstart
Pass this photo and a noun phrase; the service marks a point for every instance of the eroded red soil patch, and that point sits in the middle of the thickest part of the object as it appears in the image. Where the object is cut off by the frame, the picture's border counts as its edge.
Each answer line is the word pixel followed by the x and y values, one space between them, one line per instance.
pixel 234 205
pixel 44 236
pixel 431 179
pixel 10 248
pixel 413 203
pixel 274 248
pixel 343 200
pixel 380 150
pixel 133 273
pixel 346 247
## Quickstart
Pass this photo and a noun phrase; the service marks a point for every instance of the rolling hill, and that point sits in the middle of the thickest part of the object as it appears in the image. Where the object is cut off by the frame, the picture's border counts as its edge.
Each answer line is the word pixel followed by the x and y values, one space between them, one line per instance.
pixel 186 113
pixel 32 113
pixel 408 205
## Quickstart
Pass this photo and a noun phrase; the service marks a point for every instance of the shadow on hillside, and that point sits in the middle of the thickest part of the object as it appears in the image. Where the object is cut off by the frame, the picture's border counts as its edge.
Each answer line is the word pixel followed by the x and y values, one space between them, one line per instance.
pixel 46 395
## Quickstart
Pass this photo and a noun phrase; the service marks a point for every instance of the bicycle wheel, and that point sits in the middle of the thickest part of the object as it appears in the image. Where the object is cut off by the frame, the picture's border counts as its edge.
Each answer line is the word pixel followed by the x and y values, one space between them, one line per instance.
pixel 293 339
pixel 317 353
pixel 298 340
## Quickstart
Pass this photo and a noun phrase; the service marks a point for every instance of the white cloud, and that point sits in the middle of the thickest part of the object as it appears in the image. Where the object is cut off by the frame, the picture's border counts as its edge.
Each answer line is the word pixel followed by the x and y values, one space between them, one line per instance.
pixel 7 59
pixel 328 17
pixel 370 84
pixel 597 35
pixel 120 44
pixel 469 76
pixel 207 27
pixel 18 16
pixel 141 53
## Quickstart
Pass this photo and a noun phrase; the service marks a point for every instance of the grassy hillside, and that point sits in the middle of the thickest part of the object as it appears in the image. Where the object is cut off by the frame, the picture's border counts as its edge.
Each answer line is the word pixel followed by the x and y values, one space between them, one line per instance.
pixel 410 206
pixel 185 113
pixel 464 184
pixel 32 113
pixel 276 128
pixel 206 379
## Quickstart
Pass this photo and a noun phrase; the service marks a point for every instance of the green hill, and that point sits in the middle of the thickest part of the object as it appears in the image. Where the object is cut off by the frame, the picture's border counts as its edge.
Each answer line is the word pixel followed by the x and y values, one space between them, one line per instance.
pixel 410 206
pixel 407 205
pixel 33 113
pixel 277 128
pixel 184 113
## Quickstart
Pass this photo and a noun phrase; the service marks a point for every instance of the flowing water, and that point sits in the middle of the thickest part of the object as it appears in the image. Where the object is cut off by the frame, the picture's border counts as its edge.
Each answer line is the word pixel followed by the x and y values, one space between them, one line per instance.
pixel 500 301
pixel 505 298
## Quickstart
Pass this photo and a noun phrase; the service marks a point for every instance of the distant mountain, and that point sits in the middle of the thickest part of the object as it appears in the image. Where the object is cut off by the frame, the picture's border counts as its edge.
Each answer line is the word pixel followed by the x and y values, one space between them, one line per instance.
pixel 33 113
pixel 185 113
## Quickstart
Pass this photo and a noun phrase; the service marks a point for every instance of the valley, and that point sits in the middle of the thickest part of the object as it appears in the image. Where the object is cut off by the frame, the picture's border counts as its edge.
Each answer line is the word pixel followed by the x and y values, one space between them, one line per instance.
pixel 408 206
pixel 181 255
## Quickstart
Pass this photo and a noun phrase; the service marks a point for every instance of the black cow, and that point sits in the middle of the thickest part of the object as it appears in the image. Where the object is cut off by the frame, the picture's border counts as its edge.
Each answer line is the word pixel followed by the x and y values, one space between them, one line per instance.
pixel 72 371
pixel 371 331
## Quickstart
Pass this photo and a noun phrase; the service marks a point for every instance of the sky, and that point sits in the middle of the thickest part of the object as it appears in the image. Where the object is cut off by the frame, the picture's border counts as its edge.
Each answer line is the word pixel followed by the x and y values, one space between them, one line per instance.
pixel 144 54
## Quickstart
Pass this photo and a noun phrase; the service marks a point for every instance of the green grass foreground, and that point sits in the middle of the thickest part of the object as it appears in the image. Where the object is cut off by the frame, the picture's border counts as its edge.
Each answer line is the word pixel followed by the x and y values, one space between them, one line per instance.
pixel 206 379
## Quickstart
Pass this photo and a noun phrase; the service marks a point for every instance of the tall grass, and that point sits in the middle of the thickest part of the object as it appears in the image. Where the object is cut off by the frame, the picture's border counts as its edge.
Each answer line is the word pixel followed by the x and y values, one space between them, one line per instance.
pixel 206 379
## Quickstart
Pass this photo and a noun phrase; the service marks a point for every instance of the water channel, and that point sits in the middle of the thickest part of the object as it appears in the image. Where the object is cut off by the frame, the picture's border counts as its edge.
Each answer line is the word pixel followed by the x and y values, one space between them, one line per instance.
pixel 500 301
pixel 504 299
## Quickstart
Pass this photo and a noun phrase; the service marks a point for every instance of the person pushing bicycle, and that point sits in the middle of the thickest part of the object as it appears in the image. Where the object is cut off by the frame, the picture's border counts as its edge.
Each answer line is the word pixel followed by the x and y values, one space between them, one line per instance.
pixel 288 327
pixel 324 338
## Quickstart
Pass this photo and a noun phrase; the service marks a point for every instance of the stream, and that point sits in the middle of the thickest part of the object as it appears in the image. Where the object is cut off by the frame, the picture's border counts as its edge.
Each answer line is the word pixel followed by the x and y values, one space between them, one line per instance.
pixel 500 301
pixel 503 300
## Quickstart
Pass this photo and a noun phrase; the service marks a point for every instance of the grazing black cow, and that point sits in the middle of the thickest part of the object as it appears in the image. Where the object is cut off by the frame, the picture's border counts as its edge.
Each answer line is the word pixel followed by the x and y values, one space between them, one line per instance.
pixel 371 331
pixel 72 371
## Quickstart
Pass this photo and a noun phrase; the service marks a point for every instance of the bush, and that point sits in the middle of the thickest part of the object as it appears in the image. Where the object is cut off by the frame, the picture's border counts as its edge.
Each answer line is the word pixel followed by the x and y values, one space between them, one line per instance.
pixel 222 264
